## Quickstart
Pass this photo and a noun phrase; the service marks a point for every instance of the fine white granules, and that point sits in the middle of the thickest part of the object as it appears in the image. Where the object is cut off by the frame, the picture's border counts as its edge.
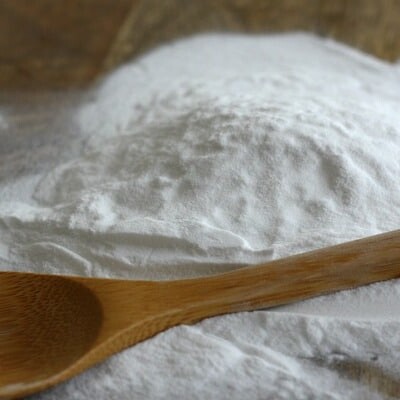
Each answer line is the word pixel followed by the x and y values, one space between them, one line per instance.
pixel 202 156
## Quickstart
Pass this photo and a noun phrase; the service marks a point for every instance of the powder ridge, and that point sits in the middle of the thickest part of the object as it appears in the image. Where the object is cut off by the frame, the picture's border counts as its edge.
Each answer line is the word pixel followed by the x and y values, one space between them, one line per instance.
pixel 207 154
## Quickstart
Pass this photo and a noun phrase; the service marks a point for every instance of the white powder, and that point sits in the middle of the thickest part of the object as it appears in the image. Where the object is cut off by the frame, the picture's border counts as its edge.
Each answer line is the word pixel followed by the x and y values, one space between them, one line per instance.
pixel 204 155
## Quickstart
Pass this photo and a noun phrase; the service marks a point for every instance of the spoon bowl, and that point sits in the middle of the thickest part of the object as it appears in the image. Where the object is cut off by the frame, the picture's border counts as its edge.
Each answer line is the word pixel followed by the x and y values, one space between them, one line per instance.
pixel 53 327
pixel 47 323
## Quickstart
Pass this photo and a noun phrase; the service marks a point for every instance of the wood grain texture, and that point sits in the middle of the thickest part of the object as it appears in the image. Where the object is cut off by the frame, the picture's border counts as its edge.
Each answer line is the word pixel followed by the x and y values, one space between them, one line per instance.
pixel 52 44
pixel 53 327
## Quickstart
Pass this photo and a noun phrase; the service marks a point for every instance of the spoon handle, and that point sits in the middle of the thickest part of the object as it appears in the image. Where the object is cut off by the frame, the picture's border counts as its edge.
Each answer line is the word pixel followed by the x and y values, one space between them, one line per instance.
pixel 302 276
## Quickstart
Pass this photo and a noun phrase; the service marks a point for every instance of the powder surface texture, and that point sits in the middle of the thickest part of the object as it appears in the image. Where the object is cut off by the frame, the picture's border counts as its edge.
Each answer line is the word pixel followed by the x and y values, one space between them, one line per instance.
pixel 205 155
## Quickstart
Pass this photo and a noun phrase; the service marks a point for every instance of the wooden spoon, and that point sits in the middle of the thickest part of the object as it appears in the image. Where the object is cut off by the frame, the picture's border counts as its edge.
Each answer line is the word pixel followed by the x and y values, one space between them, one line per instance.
pixel 53 327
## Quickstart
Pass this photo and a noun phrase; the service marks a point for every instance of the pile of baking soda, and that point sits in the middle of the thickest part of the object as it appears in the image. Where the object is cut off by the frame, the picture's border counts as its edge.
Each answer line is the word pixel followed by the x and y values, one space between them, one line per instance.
pixel 207 154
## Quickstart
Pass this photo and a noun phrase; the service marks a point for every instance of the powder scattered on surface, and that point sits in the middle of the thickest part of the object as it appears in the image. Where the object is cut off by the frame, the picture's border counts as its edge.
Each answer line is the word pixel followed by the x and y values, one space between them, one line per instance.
pixel 207 154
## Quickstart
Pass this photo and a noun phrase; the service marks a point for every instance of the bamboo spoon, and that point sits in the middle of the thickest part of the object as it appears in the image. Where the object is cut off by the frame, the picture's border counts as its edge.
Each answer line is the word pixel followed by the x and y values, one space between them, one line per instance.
pixel 53 327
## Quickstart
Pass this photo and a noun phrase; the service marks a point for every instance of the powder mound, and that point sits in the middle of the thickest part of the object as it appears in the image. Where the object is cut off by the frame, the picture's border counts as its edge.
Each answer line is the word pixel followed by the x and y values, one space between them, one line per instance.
pixel 265 158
